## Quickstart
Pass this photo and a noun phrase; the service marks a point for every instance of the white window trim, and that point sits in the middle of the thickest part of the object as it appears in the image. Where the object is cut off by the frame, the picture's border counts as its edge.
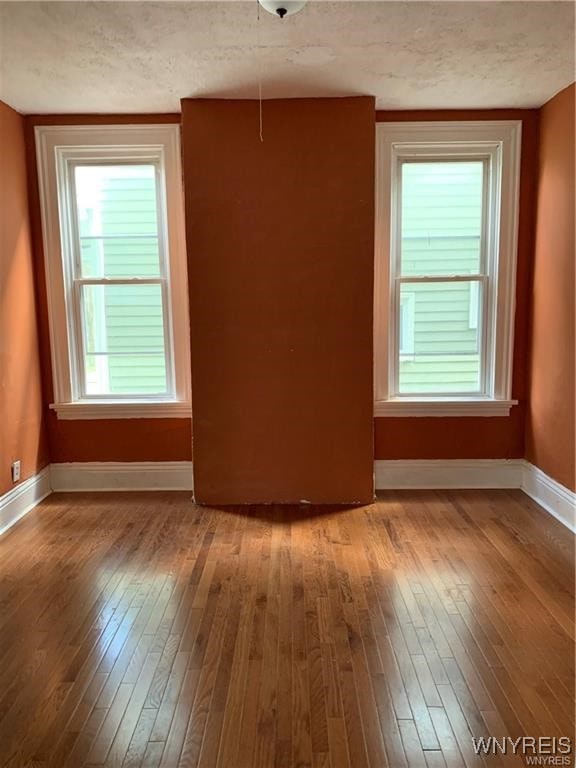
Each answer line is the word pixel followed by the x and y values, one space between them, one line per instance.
pixel 501 138
pixel 56 148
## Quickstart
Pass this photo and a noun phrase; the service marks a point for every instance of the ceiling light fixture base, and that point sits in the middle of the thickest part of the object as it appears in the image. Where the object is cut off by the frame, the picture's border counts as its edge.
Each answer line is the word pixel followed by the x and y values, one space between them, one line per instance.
pixel 282 8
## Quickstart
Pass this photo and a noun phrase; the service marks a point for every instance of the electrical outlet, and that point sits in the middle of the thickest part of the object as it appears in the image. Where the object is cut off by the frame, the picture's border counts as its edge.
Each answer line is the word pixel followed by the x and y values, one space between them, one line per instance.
pixel 15 471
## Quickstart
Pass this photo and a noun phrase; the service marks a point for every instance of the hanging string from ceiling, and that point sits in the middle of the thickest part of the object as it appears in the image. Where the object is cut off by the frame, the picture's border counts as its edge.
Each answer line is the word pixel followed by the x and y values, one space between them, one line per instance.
pixel 259 53
pixel 279 8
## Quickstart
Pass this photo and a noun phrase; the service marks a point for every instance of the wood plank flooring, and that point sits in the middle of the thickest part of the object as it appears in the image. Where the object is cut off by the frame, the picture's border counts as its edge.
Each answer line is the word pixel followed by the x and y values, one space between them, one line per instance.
pixel 141 630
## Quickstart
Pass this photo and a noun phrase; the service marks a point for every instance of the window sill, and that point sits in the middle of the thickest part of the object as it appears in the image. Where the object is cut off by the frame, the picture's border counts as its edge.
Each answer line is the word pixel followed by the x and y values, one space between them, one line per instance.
pixel 114 409
pixel 436 407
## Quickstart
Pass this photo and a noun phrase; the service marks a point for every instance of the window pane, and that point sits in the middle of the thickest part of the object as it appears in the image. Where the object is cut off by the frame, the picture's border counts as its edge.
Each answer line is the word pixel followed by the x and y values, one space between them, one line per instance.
pixel 446 354
pixel 117 220
pixel 124 339
pixel 441 217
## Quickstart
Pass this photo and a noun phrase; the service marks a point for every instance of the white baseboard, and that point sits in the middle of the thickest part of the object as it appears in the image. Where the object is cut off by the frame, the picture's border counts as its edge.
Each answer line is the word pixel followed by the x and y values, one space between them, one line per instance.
pixel 556 499
pixel 480 473
pixel 122 476
pixel 449 473
pixel 22 498
pixel 402 474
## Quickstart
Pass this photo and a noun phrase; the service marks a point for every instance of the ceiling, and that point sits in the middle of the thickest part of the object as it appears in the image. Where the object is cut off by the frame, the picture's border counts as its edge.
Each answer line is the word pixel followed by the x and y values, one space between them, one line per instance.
pixel 146 56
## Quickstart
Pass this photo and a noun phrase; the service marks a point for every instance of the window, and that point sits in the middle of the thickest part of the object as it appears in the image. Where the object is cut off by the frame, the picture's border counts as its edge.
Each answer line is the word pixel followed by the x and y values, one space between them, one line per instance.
pixel 441 224
pixel 445 267
pixel 115 266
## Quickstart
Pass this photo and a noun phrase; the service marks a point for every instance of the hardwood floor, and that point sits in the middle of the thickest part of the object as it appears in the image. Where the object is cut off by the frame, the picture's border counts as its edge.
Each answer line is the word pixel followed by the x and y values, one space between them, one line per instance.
pixel 140 630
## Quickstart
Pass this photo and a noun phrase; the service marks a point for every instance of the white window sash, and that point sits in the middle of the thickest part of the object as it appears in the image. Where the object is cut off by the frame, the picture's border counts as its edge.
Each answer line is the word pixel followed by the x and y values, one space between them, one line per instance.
pixel 499 143
pixel 397 354
pixel 77 292
pixel 78 282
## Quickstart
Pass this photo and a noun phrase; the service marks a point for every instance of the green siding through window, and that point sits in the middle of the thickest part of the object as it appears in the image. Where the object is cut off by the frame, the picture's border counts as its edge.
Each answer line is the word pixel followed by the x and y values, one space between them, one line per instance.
pixel 441 221
pixel 118 234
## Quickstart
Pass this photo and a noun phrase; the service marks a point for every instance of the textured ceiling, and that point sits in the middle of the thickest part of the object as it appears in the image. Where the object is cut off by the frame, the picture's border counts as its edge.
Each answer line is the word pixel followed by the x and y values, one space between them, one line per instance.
pixel 146 56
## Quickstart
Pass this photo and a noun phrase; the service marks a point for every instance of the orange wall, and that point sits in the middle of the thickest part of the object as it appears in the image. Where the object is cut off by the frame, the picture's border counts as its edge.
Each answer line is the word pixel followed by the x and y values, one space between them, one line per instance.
pixel 138 440
pixel 280 241
pixel 97 440
pixel 21 424
pixel 477 438
pixel 550 434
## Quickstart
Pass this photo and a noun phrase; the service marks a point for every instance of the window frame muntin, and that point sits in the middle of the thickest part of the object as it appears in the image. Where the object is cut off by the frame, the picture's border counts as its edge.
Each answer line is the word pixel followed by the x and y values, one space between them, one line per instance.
pixel 505 135
pixel 98 142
